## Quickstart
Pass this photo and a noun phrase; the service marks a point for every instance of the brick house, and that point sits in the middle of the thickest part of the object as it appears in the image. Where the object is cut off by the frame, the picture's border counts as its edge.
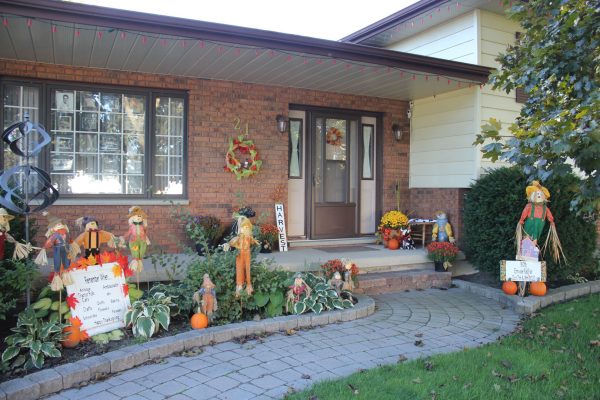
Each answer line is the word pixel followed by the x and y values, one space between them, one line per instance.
pixel 140 109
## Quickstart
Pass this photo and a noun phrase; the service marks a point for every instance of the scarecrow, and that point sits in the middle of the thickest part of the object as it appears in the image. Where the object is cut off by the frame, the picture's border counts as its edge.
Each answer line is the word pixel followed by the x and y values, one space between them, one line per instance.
pixel 58 240
pixel 243 242
pixel 442 230
pixel 297 289
pixel 348 282
pixel 336 282
pixel 137 238
pixel 92 237
pixel 206 297
pixel 533 219
pixel 21 250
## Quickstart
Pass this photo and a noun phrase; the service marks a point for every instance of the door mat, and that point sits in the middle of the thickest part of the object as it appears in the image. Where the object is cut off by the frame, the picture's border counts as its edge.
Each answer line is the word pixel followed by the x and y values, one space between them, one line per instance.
pixel 345 249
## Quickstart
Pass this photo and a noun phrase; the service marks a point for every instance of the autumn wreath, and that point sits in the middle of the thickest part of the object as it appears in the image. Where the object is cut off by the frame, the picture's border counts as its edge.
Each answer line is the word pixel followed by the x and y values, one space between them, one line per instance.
pixel 334 136
pixel 250 164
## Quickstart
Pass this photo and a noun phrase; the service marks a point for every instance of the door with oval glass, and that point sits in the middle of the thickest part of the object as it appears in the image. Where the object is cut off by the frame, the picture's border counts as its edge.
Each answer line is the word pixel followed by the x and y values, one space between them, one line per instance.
pixel 335 184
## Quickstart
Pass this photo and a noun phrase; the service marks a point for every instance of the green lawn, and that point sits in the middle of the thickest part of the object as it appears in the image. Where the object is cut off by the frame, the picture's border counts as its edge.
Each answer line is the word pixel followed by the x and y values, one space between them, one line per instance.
pixel 555 355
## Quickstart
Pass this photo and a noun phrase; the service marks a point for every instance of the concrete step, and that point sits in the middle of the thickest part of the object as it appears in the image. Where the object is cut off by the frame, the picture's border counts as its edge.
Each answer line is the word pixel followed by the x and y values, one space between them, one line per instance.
pixel 298 243
pixel 385 282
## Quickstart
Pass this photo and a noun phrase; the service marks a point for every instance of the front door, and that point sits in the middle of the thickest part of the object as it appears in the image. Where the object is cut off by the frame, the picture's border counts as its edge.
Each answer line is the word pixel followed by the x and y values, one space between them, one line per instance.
pixel 334 176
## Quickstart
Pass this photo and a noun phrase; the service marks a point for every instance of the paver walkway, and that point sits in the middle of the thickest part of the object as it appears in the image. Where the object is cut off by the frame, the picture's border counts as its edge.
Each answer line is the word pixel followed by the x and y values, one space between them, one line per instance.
pixel 444 321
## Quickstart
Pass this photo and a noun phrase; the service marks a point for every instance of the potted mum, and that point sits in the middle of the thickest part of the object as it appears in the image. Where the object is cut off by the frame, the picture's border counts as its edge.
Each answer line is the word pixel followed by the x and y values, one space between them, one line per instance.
pixel 391 226
pixel 442 254
pixel 267 237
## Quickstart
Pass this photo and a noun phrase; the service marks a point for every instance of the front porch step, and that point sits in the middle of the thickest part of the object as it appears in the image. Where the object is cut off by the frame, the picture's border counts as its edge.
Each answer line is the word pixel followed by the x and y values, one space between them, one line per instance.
pixel 386 282
pixel 298 243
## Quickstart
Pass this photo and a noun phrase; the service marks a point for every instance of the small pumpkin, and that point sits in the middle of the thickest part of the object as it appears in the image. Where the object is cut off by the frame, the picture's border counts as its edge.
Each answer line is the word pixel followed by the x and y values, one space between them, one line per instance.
pixel 537 288
pixel 199 321
pixel 71 336
pixel 509 287
pixel 393 244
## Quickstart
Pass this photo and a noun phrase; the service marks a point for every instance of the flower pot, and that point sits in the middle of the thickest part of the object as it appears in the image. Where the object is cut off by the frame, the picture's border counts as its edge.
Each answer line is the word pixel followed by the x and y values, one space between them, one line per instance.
pixel 439 266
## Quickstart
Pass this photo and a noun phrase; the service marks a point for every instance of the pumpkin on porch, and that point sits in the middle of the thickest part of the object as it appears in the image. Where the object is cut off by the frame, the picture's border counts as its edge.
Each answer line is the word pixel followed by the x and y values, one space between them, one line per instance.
pixel 393 244
pixel 537 288
pixel 509 287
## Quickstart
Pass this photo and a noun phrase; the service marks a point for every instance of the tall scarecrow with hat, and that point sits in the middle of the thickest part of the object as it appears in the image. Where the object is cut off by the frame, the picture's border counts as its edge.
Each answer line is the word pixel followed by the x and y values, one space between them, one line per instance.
pixel 21 250
pixel 533 219
pixel 243 242
pixel 92 236
pixel 137 238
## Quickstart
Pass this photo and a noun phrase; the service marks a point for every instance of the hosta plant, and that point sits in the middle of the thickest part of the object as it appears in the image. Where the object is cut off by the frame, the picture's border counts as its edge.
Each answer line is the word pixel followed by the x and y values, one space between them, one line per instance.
pixel 322 297
pixel 32 341
pixel 148 315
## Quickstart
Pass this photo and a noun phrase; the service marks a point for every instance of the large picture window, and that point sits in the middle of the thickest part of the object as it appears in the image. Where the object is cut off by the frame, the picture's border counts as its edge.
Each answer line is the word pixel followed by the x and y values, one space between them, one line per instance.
pixel 108 142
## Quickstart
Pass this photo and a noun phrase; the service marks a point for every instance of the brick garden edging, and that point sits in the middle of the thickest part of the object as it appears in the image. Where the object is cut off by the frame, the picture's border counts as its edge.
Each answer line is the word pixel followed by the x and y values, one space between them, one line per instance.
pixel 530 304
pixel 65 376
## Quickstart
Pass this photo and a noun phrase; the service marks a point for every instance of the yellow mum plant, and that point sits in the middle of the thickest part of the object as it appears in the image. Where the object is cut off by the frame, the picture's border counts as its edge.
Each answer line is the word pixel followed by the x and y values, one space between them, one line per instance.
pixel 394 220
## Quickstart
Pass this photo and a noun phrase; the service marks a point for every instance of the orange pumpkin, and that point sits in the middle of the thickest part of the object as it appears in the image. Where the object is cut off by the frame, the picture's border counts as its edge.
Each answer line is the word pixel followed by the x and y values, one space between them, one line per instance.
pixel 537 288
pixel 71 336
pixel 199 321
pixel 393 244
pixel 509 287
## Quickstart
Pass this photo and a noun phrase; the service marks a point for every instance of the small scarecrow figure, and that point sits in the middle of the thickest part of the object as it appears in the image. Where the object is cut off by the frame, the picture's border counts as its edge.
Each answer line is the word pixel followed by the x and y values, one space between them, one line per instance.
pixel 58 240
pixel 92 237
pixel 21 250
pixel 297 289
pixel 206 297
pixel 336 282
pixel 137 238
pixel 533 219
pixel 442 230
pixel 243 242
pixel 348 282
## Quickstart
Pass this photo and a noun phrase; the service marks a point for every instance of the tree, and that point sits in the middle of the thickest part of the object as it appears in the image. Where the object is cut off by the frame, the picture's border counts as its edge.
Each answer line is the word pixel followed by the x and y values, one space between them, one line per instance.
pixel 556 61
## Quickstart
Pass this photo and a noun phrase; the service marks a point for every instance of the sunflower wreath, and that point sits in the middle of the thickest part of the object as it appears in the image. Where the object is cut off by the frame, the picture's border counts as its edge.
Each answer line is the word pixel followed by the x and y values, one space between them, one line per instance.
pixel 334 136
pixel 251 163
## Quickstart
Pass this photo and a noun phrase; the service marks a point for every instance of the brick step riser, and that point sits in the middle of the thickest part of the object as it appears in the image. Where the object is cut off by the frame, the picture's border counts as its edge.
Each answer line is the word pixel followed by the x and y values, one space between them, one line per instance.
pixel 410 281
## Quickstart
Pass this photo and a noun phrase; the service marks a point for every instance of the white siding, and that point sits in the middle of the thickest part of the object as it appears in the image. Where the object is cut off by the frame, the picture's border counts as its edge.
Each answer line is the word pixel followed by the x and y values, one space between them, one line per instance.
pixel 442 132
pixel 497 32
pixel 454 40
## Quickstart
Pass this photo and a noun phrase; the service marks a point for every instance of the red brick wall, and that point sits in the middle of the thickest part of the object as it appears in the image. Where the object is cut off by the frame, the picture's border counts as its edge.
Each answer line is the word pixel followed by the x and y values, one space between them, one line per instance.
pixel 213 106
pixel 425 202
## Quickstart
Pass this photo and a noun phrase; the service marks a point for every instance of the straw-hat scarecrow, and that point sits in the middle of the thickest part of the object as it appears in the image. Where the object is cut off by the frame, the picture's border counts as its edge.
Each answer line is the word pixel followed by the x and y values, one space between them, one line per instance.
pixel 533 219
pixel 206 297
pixel 137 237
pixel 92 236
pixel 243 242
pixel 58 240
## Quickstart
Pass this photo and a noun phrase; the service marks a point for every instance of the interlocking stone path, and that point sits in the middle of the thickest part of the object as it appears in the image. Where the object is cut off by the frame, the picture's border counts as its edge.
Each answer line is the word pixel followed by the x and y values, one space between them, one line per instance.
pixel 444 321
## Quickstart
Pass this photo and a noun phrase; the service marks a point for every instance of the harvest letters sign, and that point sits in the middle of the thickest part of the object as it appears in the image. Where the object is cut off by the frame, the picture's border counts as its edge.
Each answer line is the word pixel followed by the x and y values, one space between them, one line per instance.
pixel 280 219
pixel 523 271
pixel 99 297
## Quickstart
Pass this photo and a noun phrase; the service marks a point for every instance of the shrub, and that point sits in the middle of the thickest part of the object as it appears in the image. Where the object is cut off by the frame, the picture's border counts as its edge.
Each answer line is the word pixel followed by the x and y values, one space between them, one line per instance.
pixel 491 213
pixel 15 276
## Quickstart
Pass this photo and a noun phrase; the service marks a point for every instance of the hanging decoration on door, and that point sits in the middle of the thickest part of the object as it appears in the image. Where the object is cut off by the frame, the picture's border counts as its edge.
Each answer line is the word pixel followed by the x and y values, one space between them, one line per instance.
pixel 334 136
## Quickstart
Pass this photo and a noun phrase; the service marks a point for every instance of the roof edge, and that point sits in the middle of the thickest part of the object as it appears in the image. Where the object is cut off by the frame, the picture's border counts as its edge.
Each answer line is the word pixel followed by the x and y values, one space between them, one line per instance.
pixel 391 21
pixel 201 30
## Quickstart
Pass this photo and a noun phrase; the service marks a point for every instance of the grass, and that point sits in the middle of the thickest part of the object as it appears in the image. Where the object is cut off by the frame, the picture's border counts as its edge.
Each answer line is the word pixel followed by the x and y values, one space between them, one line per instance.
pixel 553 355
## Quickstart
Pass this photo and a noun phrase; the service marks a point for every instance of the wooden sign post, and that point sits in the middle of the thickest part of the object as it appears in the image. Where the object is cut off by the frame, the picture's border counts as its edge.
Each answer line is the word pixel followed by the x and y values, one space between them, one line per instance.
pixel 99 297
pixel 280 220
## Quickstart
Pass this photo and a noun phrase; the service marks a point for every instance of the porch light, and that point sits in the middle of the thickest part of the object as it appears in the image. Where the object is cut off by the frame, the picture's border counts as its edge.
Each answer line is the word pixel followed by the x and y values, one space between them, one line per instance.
pixel 281 123
pixel 397 132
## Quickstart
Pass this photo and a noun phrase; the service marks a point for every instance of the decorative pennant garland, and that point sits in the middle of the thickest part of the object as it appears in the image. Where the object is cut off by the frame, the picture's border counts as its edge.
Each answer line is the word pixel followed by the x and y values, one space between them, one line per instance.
pixel 251 163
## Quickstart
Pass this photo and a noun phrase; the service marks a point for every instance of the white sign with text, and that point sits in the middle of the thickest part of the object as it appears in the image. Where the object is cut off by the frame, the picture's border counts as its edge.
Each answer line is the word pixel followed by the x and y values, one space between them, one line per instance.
pixel 280 220
pixel 99 297
pixel 523 271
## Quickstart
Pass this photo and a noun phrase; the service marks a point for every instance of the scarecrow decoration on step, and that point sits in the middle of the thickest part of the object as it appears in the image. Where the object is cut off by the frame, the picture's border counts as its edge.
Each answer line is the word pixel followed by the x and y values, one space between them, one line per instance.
pixel 206 297
pixel 92 237
pixel 137 238
pixel 532 222
pixel 442 230
pixel 243 242
pixel 58 240
pixel 21 250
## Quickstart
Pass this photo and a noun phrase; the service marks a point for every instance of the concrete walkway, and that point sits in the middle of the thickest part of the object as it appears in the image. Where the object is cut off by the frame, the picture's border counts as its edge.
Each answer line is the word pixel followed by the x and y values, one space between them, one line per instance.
pixel 444 321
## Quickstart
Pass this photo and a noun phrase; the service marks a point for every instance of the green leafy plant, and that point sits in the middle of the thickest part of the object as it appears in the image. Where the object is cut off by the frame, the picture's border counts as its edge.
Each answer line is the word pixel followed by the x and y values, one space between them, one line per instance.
pixel 181 294
pixel 15 276
pixel 32 341
pixel 146 316
pixel 167 262
pixel 321 298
